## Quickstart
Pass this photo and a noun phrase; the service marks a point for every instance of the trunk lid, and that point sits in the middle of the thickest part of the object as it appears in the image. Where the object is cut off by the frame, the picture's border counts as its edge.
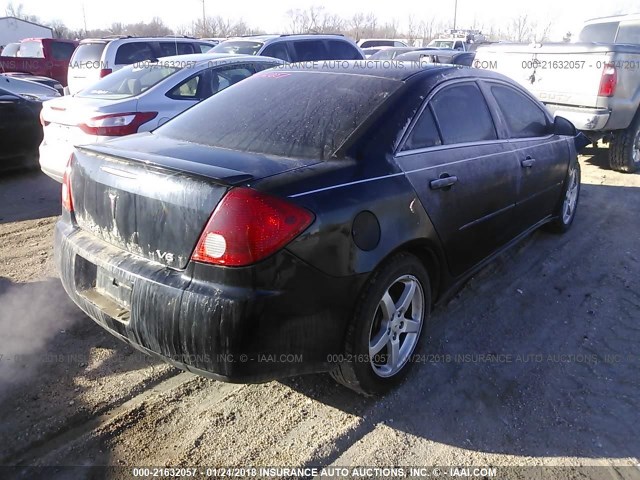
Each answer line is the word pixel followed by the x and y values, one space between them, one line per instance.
pixel 152 196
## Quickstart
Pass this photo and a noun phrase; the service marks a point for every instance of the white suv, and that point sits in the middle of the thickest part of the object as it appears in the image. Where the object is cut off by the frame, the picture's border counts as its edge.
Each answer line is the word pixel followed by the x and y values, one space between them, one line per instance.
pixel 95 58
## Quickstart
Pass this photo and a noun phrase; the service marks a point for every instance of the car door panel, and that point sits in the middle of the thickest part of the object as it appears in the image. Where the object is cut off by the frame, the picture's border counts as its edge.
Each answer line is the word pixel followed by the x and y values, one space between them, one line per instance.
pixel 473 215
pixel 544 165
pixel 543 157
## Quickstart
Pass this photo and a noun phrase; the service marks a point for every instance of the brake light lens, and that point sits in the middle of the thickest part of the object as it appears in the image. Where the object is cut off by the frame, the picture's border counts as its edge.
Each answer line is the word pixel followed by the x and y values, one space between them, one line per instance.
pixel 117 124
pixel 608 81
pixel 67 200
pixel 105 71
pixel 248 226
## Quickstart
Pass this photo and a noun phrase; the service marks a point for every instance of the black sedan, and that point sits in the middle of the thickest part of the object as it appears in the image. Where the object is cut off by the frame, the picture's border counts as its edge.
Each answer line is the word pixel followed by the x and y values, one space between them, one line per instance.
pixel 309 218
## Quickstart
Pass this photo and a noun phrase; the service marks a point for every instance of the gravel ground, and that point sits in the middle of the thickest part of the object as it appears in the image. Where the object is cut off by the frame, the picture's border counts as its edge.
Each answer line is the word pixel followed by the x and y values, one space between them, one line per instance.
pixel 535 362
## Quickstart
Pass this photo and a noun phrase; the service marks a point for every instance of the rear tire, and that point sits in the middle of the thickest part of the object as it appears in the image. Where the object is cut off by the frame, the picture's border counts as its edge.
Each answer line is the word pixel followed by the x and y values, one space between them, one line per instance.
pixel 386 327
pixel 624 149
pixel 566 211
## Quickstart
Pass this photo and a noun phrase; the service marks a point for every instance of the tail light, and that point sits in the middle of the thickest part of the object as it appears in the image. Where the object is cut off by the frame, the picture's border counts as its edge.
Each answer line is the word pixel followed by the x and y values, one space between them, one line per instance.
pixel 248 226
pixel 608 81
pixel 105 71
pixel 117 124
pixel 67 200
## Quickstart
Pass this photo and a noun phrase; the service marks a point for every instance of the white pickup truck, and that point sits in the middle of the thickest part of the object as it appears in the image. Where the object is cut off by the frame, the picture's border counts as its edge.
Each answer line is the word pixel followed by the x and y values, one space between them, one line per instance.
pixel 594 82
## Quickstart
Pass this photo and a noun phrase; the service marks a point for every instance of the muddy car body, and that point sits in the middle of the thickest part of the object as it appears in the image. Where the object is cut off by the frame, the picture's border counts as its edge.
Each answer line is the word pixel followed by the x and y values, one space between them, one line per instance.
pixel 248 250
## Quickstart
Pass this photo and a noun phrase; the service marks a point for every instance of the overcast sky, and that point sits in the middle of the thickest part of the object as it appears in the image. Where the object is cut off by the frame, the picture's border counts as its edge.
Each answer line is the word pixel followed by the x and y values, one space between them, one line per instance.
pixel 271 15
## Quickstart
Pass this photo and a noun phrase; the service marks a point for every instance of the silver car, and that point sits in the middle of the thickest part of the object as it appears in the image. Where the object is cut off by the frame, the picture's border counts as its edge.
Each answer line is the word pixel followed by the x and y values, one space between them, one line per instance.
pixel 137 98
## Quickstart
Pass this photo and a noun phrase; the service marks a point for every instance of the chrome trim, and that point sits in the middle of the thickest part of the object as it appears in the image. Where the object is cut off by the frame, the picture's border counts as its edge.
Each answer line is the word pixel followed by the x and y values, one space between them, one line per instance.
pixel 365 180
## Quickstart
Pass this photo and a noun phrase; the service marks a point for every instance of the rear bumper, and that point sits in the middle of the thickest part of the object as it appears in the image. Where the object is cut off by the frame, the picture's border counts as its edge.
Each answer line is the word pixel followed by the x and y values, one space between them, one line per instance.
pixel 585 119
pixel 276 319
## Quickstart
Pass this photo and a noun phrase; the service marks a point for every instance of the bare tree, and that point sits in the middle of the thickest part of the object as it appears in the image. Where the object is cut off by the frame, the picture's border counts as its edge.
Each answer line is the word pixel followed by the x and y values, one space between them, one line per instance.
pixel 520 29
pixel 542 34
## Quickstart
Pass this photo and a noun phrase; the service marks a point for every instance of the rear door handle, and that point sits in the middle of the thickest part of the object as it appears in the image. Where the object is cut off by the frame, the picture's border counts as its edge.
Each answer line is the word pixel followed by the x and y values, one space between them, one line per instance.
pixel 528 162
pixel 443 182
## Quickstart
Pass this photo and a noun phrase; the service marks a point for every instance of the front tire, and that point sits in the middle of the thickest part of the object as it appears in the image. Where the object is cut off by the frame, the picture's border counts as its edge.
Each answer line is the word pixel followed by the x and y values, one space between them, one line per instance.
pixel 566 211
pixel 386 327
pixel 624 149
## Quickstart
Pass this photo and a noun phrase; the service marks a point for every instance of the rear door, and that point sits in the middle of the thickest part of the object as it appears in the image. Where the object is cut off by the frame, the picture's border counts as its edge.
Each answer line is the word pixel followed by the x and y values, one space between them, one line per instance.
pixel 543 157
pixel 465 177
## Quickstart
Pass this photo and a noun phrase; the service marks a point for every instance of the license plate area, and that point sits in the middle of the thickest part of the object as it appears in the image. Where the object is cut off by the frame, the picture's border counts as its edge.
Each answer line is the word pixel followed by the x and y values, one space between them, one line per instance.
pixel 109 292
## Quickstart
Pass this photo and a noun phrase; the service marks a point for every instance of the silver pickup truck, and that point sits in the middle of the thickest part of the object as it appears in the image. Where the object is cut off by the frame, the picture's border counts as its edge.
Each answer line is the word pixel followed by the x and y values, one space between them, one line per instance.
pixel 594 82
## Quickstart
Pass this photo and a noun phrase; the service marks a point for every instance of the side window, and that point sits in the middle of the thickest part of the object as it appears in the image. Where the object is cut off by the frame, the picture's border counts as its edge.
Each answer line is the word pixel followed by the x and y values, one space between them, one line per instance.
pixel 463 115
pixel 309 50
pixel 424 133
pixel 277 50
pixel 524 118
pixel 168 49
pixel 204 47
pixel 133 52
pixel 187 90
pixel 342 51
pixel 222 78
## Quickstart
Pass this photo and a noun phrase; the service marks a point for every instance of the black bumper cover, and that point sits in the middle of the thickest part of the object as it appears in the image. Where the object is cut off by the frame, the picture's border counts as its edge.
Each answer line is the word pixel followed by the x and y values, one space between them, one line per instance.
pixel 279 318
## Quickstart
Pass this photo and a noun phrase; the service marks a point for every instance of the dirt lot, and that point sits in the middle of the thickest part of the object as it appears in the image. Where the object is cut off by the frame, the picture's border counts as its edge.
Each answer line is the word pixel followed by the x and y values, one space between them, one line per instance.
pixel 560 316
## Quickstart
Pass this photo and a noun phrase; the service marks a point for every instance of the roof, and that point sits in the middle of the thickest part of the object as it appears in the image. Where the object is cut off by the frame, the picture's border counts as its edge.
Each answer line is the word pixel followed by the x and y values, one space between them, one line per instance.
pixel 615 18
pixel 112 38
pixel 394 70
pixel 265 37
pixel 26 21
pixel 213 58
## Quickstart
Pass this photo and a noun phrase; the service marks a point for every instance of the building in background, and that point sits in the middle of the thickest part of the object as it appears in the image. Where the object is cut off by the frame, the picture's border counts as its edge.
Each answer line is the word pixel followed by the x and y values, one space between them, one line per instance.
pixel 14 29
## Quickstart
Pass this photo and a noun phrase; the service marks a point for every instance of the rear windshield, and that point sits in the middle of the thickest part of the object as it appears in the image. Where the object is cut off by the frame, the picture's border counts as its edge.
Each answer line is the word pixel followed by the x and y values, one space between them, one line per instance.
pixel 286 114
pixel 87 53
pixel 242 47
pixel 629 32
pixel 128 82
pixel 599 32
pixel 11 50
pixel 442 44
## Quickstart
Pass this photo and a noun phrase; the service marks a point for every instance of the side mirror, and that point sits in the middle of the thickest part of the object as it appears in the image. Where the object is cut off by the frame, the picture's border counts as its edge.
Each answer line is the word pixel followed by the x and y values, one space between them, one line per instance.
pixel 562 126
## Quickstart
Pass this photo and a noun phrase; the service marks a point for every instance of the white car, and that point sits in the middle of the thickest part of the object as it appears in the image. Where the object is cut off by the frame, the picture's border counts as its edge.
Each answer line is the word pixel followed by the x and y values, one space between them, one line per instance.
pixel 137 98
pixel 96 58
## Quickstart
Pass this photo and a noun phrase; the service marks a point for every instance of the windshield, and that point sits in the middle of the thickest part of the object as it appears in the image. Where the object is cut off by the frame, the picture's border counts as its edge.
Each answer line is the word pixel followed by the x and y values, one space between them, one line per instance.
pixel 128 82
pixel 441 44
pixel 286 114
pixel 242 47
